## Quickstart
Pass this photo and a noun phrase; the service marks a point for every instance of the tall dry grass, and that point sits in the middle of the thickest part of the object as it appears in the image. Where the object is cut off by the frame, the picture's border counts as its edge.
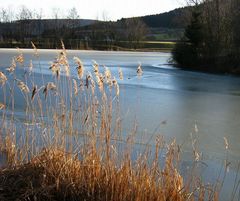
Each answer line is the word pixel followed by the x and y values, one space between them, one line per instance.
pixel 69 143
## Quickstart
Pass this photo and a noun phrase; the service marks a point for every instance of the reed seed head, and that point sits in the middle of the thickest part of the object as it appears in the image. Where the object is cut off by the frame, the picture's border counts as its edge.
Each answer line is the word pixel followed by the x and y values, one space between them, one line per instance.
pixel 80 67
pixel 20 57
pixel 226 143
pixel 49 86
pixel 34 92
pixel 35 49
pixel 55 68
pixel 23 87
pixel 139 70
pixel 12 68
pixel 95 67
pixel 2 106
pixel 3 78
pixel 107 74
pixel 120 73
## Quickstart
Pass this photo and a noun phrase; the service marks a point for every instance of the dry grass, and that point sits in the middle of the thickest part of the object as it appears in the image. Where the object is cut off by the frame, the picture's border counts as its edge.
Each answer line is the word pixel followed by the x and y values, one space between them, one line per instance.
pixel 70 144
pixel 55 175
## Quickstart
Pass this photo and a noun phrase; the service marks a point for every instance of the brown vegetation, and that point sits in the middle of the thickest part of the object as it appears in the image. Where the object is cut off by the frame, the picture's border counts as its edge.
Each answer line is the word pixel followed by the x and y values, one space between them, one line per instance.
pixel 70 145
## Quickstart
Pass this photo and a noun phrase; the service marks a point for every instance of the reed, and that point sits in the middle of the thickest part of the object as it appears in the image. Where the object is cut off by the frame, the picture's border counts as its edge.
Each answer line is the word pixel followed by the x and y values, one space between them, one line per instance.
pixel 69 144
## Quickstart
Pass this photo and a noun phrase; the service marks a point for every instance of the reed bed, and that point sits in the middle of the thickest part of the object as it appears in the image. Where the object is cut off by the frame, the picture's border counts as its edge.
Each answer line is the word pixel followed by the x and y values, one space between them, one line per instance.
pixel 69 144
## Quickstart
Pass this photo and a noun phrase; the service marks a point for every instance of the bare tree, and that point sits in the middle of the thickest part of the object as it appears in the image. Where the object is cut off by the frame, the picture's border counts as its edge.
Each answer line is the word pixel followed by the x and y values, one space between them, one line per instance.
pixel 38 23
pixel 72 23
pixel 136 30
pixel 24 13
pixel 38 14
pixel 23 25
pixel 105 16
pixel 194 2
pixel 11 14
pixel 6 15
pixel 58 25
pixel 73 14
pixel 73 17
pixel 217 29
pixel 55 13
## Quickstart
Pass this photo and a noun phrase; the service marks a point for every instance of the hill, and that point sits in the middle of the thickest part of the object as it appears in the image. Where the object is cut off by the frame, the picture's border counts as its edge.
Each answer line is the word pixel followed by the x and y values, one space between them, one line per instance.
pixel 137 32
pixel 175 19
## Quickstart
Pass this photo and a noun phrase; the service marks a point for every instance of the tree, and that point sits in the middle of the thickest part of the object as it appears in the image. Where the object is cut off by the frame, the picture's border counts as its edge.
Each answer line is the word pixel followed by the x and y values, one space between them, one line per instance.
pixel 190 51
pixel 235 32
pixel 23 17
pixel 73 20
pixel 194 2
pixel 24 13
pixel 56 26
pixel 38 15
pixel 136 30
pixel 4 15
pixel 73 14
pixel 212 39
pixel 194 31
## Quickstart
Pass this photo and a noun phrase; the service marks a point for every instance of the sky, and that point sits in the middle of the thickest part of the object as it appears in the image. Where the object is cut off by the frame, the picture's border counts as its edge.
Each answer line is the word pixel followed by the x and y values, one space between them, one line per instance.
pixel 97 9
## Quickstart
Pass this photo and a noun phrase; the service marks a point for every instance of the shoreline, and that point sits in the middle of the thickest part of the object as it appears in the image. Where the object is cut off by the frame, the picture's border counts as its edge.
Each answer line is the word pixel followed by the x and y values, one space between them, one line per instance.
pixel 164 50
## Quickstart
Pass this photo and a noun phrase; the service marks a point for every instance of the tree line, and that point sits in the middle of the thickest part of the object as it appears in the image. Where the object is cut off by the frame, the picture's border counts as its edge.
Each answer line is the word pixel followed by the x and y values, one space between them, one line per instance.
pixel 173 19
pixel 27 25
pixel 212 39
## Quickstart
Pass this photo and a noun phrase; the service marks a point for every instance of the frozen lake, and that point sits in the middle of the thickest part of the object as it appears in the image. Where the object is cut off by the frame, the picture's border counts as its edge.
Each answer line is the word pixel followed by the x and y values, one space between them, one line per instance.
pixel 166 101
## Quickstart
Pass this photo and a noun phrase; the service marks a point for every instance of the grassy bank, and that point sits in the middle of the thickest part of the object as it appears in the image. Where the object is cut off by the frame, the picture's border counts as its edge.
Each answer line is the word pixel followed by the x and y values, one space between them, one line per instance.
pixel 165 46
pixel 69 144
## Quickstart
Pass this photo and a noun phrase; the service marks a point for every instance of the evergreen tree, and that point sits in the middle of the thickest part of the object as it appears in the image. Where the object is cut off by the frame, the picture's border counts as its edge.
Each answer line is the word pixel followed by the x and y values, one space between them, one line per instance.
pixel 212 39
pixel 194 31
pixel 189 50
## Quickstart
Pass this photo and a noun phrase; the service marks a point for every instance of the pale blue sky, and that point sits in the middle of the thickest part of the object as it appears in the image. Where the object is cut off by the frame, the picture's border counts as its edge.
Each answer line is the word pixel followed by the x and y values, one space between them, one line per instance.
pixel 94 9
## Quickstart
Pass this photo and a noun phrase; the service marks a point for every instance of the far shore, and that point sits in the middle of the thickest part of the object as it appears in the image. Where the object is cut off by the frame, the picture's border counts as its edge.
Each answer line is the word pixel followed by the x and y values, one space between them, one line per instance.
pixel 167 50
pixel 141 46
pixel 91 50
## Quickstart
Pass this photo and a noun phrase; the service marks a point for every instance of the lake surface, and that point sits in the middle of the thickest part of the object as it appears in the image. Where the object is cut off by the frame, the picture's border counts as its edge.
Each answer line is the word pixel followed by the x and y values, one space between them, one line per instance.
pixel 168 101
